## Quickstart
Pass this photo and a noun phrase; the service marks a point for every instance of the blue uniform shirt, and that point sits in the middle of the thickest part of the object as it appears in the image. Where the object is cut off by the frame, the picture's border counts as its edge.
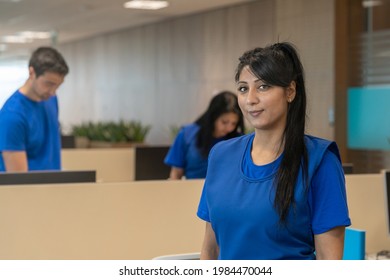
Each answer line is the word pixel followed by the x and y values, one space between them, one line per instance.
pixel 238 197
pixel 33 127
pixel 185 154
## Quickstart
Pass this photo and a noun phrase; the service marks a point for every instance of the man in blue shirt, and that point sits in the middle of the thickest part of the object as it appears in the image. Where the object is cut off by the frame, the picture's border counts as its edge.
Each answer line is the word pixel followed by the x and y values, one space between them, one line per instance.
pixel 29 126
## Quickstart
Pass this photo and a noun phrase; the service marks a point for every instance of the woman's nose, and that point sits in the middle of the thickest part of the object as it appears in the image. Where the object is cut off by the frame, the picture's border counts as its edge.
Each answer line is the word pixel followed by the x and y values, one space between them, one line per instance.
pixel 252 97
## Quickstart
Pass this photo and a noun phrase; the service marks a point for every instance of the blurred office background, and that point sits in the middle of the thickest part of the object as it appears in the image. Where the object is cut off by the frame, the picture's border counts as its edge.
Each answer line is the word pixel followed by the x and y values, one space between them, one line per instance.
pixel 162 67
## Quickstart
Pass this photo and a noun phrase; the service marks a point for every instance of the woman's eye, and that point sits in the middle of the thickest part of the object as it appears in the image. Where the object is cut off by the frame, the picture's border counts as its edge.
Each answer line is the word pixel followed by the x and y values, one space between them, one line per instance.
pixel 241 89
pixel 264 87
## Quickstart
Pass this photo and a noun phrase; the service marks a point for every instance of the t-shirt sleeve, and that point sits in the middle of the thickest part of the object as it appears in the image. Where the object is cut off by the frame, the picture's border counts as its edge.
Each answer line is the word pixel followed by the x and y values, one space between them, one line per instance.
pixel 203 209
pixel 12 132
pixel 327 195
pixel 177 152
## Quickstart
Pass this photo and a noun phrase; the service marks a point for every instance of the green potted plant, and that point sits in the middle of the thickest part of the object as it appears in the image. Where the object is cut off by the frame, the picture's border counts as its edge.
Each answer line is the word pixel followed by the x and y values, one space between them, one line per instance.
pixel 80 132
pixel 112 134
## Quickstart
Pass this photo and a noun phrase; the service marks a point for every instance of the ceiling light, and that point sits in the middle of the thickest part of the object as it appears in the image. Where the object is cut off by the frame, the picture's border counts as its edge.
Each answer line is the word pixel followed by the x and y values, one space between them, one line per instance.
pixel 25 37
pixel 146 4
pixel 11 1
pixel 371 3
pixel 16 39
pixel 35 34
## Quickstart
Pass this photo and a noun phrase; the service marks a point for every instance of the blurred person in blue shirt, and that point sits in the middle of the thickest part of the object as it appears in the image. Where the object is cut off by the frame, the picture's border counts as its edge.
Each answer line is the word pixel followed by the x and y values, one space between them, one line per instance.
pixel 188 154
pixel 29 127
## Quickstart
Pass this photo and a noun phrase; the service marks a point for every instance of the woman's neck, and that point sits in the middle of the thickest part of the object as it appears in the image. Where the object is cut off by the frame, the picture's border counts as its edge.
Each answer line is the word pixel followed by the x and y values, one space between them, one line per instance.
pixel 266 147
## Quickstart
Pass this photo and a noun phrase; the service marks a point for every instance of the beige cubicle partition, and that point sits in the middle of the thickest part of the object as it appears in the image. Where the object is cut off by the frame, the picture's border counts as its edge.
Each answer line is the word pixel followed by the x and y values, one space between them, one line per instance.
pixel 111 164
pixel 129 220
pixel 139 219
pixel 366 202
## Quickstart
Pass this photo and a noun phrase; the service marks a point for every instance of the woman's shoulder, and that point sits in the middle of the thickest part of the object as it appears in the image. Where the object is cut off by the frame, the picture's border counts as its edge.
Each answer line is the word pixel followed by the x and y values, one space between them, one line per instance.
pixel 316 139
pixel 189 130
pixel 190 126
pixel 317 145
pixel 314 142
pixel 234 143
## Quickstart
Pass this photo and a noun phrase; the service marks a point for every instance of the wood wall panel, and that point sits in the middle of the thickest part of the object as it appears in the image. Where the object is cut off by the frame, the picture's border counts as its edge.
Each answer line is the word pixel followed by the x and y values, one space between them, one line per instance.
pixel 310 26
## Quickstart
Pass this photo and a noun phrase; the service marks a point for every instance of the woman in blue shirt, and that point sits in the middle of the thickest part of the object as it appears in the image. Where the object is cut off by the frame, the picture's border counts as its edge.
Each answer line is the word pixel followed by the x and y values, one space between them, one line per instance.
pixel 276 193
pixel 222 120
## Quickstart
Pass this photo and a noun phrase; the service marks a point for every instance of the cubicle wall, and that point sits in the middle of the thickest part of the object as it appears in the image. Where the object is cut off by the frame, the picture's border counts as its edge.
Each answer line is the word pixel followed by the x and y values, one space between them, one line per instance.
pixel 149 163
pixel 139 219
pixel 131 220
pixel 366 202
pixel 119 164
pixel 111 165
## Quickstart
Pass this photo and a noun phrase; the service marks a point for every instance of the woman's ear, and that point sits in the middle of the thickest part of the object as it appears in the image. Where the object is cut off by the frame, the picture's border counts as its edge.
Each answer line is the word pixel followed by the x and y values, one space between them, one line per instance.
pixel 291 92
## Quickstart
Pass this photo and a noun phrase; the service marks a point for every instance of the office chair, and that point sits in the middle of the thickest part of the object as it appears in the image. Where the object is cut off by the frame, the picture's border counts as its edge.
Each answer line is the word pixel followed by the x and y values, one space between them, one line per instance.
pixel 185 256
pixel 354 244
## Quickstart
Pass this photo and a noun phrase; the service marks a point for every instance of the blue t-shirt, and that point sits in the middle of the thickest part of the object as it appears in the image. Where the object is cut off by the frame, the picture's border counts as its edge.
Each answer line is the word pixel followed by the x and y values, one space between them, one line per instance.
pixel 238 197
pixel 185 154
pixel 33 127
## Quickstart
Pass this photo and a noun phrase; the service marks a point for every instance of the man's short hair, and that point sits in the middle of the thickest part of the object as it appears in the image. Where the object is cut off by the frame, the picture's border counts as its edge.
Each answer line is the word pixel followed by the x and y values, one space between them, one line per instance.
pixel 48 59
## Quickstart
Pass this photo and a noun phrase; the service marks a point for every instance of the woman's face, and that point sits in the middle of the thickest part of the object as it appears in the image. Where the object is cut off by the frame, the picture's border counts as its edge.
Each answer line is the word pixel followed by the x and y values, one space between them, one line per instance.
pixel 263 105
pixel 225 124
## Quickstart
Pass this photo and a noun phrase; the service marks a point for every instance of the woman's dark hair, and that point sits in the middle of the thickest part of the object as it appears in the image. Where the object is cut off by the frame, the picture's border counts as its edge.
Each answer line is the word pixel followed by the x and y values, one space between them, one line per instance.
pixel 223 102
pixel 279 65
pixel 48 59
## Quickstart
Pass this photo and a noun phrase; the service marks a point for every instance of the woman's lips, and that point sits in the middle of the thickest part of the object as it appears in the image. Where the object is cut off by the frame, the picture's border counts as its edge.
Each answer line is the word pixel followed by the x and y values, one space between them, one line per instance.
pixel 255 113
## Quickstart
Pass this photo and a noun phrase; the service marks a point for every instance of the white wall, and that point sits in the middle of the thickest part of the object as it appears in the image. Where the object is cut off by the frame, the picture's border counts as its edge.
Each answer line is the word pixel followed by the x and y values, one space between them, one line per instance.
pixel 12 75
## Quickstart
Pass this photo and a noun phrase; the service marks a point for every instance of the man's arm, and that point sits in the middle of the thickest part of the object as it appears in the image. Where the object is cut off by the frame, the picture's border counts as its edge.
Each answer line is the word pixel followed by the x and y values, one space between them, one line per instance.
pixel 15 161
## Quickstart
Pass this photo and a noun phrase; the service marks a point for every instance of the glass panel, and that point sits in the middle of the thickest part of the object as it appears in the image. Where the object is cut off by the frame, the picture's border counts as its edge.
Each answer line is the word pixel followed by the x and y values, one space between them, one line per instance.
pixel 369 118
